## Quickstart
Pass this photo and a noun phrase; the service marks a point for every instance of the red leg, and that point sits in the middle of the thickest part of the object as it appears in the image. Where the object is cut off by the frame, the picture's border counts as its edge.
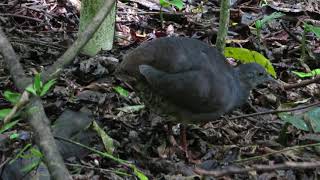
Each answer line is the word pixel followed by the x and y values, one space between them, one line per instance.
pixel 183 139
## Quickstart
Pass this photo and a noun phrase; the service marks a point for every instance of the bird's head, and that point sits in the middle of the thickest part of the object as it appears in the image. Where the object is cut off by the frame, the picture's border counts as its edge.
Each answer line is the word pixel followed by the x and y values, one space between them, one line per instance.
pixel 253 74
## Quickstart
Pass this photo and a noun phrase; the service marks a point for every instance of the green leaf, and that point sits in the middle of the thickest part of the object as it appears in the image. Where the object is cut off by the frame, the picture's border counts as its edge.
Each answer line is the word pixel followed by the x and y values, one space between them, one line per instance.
pixel 295 121
pixel 106 139
pixel 8 126
pixel 176 3
pixel 37 84
pixel 14 136
pixel 20 153
pixel 258 24
pixel 131 109
pixel 47 86
pixel 314 29
pixel 139 174
pixel 31 166
pixel 36 153
pixel 248 56
pixel 164 3
pixel 4 113
pixel 31 90
pixel 309 74
pixel 314 118
pixel 269 18
pixel 121 91
pixel 12 97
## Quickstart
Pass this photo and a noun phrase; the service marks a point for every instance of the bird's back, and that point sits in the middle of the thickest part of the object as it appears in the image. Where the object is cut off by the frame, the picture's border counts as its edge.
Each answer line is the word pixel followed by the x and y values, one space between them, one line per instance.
pixel 174 54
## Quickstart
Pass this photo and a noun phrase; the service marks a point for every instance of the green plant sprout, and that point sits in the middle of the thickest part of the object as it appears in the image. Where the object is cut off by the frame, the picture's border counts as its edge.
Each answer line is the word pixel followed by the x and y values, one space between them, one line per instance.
pixel 262 23
pixel 308 121
pixel 33 154
pixel 307 28
pixel 167 3
pixel 37 88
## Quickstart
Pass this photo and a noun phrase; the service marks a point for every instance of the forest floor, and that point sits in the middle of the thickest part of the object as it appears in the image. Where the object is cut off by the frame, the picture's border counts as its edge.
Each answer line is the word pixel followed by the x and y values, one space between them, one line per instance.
pixel 273 145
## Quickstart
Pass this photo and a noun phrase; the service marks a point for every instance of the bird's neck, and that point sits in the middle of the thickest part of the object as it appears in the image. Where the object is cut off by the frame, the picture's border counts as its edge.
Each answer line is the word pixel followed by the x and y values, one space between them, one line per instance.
pixel 243 91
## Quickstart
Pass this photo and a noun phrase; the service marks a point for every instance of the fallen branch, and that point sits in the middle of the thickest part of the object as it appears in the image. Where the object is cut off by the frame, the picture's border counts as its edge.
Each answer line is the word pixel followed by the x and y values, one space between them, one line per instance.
pixel 275 111
pixel 302 83
pixel 276 152
pixel 235 170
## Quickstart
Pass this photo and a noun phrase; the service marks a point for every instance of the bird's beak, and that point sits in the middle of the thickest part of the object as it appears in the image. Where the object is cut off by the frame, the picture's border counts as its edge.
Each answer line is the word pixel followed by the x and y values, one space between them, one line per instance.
pixel 271 80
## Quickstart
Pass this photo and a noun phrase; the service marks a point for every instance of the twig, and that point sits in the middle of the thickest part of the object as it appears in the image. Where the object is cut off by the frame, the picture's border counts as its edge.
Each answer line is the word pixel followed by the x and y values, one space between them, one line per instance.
pixel 157 12
pixel 12 62
pixel 276 152
pixel 290 33
pixel 21 16
pixel 42 43
pixel 107 155
pixel 235 170
pixel 275 111
pixel 97 169
pixel 302 83
pixel 5 162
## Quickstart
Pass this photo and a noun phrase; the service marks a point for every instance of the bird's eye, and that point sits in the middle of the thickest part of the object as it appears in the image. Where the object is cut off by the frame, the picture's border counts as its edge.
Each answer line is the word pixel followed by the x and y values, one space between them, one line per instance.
pixel 260 74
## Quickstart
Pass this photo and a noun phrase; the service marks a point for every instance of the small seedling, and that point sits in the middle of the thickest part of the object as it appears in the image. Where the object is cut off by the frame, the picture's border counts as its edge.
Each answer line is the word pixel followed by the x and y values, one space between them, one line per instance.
pixel 260 24
pixel 175 3
pixel 37 88
pixel 34 154
pixel 4 113
pixel 121 91
pixel 311 28
pixel 12 97
pixel 167 3
pixel 307 28
pixel 8 126
pixel 308 121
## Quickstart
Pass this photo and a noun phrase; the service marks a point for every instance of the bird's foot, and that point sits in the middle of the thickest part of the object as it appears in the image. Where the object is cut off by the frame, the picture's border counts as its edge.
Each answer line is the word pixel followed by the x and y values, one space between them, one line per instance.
pixel 182 148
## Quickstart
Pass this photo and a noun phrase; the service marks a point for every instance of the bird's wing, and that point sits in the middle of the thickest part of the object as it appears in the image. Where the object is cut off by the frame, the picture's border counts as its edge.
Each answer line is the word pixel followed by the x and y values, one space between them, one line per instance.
pixel 190 89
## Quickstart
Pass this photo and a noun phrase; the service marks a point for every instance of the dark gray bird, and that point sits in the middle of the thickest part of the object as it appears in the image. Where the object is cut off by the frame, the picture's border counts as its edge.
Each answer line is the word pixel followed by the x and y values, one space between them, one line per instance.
pixel 192 80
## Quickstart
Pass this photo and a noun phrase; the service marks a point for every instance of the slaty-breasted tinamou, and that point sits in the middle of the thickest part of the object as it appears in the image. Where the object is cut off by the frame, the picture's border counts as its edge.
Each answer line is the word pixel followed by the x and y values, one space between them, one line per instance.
pixel 188 79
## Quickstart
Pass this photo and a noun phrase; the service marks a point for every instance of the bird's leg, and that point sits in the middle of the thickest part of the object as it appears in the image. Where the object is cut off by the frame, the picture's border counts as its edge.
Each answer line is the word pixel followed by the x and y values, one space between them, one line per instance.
pixel 184 144
pixel 171 139
pixel 183 140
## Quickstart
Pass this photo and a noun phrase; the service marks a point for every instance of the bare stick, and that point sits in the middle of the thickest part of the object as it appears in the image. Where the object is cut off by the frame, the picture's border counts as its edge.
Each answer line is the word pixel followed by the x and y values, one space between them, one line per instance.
pixel 302 83
pixel 235 170
pixel 275 111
